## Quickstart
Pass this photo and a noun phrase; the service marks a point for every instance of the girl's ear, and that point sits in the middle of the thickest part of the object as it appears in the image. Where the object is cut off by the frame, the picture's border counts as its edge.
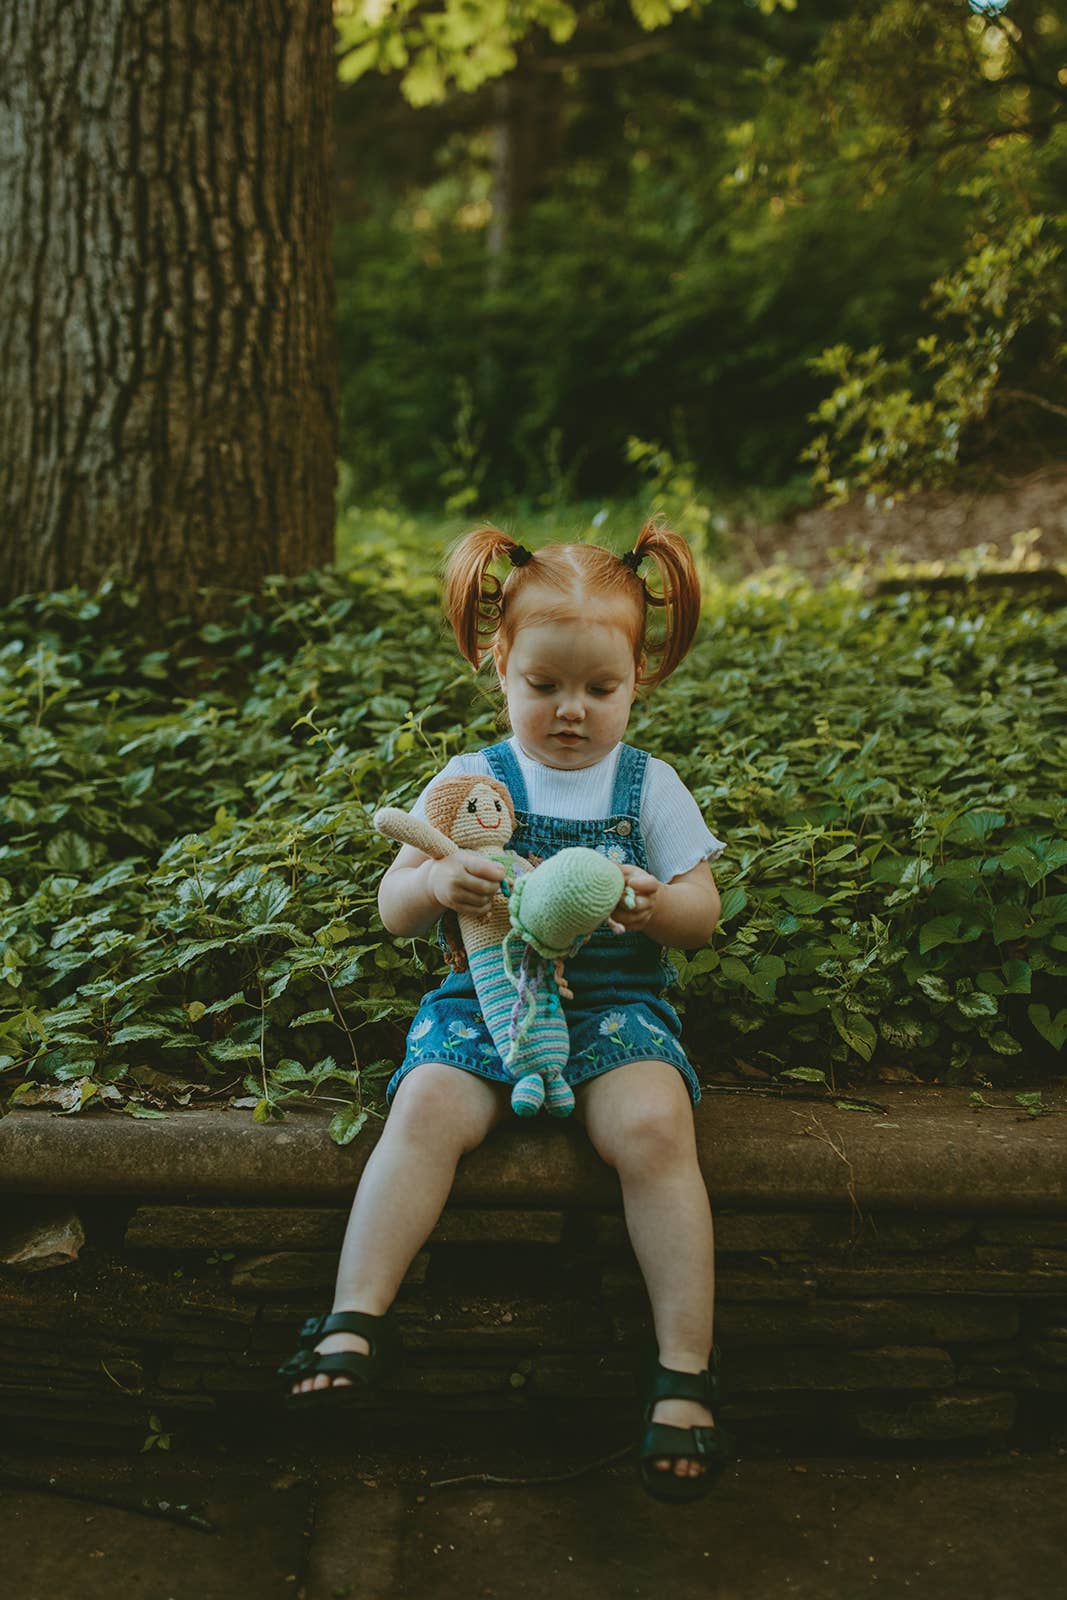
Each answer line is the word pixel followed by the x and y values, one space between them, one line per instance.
pixel 499 661
pixel 641 665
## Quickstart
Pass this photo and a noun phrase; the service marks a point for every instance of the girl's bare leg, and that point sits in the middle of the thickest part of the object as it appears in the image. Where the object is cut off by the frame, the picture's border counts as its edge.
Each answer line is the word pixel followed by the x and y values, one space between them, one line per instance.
pixel 640 1120
pixel 438 1114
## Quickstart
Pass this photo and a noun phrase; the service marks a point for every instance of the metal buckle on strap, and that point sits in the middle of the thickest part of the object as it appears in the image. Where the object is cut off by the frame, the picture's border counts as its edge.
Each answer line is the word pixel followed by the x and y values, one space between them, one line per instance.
pixel 704 1441
pixel 312 1328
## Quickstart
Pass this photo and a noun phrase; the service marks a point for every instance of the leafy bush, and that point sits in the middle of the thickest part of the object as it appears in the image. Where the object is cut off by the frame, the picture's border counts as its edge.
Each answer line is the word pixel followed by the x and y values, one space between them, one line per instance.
pixel 889 773
pixel 188 890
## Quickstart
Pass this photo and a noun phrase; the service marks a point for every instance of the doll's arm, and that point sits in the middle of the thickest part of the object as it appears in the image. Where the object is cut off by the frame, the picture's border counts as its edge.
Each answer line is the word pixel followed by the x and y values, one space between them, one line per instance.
pixel 406 829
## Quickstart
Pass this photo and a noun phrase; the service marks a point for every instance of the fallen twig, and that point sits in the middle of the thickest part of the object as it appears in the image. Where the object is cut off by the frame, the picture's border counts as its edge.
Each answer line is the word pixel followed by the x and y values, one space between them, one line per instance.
pixel 144 1508
pixel 561 1477
pixel 820 1133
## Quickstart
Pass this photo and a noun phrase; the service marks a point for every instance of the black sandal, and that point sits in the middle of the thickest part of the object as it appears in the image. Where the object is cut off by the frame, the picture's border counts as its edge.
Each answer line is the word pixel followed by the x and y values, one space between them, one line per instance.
pixel 363 1368
pixel 712 1446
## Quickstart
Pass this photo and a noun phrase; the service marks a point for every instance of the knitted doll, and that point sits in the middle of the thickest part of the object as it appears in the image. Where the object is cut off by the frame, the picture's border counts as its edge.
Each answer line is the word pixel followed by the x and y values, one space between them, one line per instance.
pixel 516 950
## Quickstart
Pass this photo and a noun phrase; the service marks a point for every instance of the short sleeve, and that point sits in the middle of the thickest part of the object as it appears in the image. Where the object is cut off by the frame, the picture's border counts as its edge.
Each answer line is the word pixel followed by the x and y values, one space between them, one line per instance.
pixel 473 764
pixel 675 833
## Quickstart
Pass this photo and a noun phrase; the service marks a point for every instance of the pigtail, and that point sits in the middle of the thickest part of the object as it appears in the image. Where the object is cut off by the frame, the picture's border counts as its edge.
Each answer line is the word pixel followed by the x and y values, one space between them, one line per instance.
pixel 677 593
pixel 473 596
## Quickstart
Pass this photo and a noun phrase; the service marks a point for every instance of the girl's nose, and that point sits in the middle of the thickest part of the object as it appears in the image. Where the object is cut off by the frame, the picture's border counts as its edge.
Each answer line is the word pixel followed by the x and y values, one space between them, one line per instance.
pixel 571 711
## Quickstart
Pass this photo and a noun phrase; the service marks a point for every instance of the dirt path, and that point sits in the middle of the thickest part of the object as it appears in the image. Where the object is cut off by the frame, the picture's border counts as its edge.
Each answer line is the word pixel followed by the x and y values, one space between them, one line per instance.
pixel 923 528
pixel 352 1527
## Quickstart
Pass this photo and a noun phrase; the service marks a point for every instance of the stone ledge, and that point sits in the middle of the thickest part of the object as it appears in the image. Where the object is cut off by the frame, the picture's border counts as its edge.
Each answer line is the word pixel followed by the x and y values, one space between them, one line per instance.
pixel 929 1151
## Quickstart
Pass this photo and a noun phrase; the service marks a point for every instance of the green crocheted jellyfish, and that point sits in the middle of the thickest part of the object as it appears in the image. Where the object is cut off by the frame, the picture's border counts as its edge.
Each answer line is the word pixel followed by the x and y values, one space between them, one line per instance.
pixel 516 951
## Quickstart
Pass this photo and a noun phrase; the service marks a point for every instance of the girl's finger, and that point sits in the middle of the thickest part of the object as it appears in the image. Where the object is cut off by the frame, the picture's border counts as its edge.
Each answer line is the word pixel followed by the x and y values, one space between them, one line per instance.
pixel 638 877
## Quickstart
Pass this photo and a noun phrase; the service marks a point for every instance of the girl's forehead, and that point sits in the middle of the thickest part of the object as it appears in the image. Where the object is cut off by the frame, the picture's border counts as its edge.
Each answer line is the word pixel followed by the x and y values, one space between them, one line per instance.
pixel 593 644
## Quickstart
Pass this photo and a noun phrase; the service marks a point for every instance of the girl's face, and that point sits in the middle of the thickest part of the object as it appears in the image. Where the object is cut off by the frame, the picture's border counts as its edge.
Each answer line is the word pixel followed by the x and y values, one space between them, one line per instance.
pixel 569 688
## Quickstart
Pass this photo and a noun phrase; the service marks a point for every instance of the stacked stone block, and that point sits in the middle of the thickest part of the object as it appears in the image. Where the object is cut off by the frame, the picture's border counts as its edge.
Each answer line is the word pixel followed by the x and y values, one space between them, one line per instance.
pixel 835 1329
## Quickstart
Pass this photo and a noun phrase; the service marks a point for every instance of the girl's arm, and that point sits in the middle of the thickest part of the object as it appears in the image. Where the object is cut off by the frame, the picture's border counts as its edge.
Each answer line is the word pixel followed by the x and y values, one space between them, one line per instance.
pixel 682 914
pixel 416 889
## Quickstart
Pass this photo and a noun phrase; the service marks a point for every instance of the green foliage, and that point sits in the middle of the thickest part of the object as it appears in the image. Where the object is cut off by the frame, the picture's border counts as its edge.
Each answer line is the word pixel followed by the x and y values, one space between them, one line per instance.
pixel 188 874
pixel 977 103
pixel 898 425
pixel 897 859
pixel 464 43
pixel 596 232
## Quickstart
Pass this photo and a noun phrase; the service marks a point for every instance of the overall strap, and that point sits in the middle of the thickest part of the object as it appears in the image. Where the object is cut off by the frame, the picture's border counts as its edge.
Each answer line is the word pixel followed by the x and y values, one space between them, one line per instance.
pixel 506 770
pixel 629 781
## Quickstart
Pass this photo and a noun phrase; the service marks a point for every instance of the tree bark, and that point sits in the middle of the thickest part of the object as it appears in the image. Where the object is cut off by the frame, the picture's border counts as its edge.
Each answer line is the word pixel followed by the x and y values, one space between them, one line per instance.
pixel 168 403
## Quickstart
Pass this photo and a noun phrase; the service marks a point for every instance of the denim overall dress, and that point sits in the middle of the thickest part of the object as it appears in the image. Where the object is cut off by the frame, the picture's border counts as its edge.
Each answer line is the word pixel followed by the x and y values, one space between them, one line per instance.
pixel 619 1012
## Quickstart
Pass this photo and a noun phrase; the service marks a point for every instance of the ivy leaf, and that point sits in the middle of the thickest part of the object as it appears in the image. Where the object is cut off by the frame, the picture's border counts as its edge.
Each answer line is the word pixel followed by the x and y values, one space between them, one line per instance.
pixel 857 1031
pixel 902 1029
pixel 948 930
pixel 69 852
pixel 976 825
pixel 1054 1029
pixel 234 1050
pixel 266 902
pixel 803 901
pixel 1003 1043
pixel 977 1004
pixel 136 1031
pixel 934 987
pixel 734 900
pixel 346 1124
pixel 764 976
pixel 805 1074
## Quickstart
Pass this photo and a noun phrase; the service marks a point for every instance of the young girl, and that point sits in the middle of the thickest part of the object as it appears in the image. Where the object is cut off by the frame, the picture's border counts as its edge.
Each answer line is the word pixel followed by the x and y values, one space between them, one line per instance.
pixel 567 634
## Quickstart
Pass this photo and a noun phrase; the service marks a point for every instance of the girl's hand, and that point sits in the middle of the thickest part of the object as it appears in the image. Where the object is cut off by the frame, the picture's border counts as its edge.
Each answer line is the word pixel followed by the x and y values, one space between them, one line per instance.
pixel 631 919
pixel 465 882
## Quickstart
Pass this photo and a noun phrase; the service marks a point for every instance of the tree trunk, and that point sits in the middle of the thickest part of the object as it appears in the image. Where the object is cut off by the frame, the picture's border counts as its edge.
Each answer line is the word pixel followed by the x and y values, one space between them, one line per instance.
pixel 167 388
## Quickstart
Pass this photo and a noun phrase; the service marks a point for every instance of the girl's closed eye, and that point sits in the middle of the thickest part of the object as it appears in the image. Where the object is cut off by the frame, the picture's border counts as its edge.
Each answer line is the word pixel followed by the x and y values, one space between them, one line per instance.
pixel 597 688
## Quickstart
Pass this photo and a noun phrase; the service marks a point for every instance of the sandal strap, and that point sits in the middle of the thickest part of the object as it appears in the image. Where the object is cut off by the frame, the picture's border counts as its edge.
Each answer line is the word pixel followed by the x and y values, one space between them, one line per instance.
pixel 702 1387
pixel 664 1439
pixel 350 1363
pixel 354 1364
pixel 366 1367
pixel 380 1332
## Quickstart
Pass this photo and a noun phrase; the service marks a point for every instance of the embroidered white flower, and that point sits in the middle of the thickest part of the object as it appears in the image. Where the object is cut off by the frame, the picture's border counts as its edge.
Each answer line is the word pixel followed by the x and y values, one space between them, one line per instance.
pixel 614 852
pixel 421 1029
pixel 460 1030
pixel 650 1027
pixel 613 1023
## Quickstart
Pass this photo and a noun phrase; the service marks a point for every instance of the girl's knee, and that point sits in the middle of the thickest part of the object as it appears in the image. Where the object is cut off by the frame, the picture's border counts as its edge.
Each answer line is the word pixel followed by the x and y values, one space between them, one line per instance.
pixel 645 1127
pixel 443 1104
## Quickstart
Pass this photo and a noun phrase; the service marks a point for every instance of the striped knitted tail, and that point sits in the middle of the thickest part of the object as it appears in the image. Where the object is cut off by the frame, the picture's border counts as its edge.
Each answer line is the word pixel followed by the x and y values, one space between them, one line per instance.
pixel 545 1045
pixel 528 1096
pixel 559 1098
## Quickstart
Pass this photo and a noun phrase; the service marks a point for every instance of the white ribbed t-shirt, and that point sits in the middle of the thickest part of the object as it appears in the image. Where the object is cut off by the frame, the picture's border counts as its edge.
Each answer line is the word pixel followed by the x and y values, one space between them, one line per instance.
pixel 675 834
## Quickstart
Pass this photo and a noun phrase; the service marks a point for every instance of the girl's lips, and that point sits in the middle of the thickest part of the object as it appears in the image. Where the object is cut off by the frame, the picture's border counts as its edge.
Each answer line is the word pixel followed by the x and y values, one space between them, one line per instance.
pixel 569 737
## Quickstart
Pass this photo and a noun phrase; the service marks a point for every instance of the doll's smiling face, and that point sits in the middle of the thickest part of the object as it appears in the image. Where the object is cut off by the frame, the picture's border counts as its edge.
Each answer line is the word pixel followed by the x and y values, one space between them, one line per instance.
pixel 482 821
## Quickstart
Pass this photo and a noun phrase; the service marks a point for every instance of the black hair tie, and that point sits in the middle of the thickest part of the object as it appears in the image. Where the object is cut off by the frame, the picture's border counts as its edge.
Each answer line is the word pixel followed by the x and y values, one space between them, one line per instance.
pixel 518 555
pixel 632 559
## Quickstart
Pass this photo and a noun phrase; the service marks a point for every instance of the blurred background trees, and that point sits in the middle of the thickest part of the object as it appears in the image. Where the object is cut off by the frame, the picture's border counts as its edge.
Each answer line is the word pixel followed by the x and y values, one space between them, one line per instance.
pixel 811 245
pixel 805 245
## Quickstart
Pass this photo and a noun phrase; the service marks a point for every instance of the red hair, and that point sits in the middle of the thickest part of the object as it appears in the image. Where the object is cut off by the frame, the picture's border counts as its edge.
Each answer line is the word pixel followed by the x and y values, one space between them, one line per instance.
pixel 485 611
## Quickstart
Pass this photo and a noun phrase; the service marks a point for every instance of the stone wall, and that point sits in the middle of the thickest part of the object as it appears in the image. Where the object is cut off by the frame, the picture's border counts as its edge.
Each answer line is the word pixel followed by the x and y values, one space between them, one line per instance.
pixel 837 1327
